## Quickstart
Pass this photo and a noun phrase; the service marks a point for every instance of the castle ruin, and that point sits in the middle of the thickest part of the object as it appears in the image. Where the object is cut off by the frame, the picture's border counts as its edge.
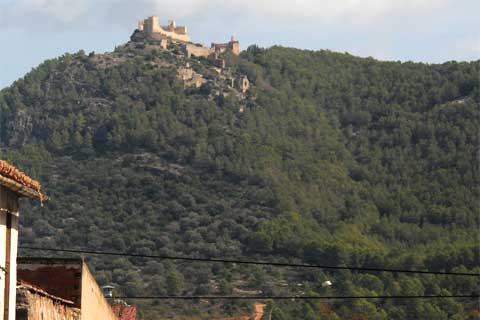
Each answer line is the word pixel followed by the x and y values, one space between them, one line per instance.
pixel 175 39
pixel 233 45
pixel 150 29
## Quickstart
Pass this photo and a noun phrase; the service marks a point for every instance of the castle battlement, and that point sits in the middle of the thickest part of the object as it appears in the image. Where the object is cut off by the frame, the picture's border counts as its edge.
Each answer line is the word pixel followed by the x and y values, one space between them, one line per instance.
pixel 233 45
pixel 150 36
pixel 151 29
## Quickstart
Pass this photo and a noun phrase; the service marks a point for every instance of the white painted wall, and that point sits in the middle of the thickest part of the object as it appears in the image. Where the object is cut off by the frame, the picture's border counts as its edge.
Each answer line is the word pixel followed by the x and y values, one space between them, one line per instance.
pixel 13 266
pixel 3 222
pixel 13 263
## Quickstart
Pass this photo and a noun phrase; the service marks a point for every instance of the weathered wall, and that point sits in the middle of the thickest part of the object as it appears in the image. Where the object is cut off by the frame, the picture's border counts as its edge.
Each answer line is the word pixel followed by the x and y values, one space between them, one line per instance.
pixel 94 305
pixel 68 279
pixel 8 251
pixel 185 74
pixel 59 277
pixel 151 25
pixel 243 83
pixel 233 45
pixel 33 306
pixel 191 49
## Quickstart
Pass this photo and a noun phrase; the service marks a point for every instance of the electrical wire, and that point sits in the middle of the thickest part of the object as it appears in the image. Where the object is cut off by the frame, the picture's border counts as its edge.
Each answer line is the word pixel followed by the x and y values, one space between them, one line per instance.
pixel 247 262
pixel 472 296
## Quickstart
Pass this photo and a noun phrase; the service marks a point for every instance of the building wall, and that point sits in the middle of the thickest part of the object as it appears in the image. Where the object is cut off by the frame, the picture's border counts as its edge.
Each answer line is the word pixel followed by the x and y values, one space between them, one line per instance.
pixel 68 279
pixel 151 25
pixel 191 49
pixel 181 30
pixel 94 304
pixel 235 47
pixel 164 44
pixel 174 35
pixel 219 47
pixel 59 277
pixel 185 74
pixel 3 222
pixel 33 306
pixel 8 251
pixel 243 83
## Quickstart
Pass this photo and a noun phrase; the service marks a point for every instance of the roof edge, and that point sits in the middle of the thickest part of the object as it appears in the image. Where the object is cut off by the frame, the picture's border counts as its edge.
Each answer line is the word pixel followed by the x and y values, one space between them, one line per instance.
pixel 31 287
pixel 22 190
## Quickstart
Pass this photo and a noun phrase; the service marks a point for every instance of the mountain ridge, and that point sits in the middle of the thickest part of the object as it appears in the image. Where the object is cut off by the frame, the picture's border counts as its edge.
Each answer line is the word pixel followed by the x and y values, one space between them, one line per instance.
pixel 335 160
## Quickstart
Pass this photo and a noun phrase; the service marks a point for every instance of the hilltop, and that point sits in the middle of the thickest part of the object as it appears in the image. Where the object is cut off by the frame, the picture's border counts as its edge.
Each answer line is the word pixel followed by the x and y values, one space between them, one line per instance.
pixel 325 158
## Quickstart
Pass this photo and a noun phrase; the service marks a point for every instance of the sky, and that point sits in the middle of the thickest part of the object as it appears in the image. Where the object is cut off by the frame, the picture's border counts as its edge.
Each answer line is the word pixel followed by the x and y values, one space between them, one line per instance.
pixel 431 31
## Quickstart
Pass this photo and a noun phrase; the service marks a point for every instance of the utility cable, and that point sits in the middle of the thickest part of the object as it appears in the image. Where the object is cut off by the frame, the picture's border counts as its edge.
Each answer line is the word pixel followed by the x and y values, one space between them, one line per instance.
pixel 247 262
pixel 472 296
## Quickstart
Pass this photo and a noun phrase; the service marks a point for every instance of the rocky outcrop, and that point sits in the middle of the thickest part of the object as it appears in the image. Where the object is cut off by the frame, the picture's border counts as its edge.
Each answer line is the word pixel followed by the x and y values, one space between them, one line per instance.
pixel 19 129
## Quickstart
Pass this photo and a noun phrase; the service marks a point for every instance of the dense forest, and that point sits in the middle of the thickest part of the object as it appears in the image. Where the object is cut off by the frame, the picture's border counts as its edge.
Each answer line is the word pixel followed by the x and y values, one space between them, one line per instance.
pixel 336 160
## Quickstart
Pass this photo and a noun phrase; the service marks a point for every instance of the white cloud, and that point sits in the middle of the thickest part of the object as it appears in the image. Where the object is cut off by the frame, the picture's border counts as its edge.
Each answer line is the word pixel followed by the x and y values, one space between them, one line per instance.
pixel 295 11
pixel 180 9
pixel 331 10
pixel 382 28
pixel 29 13
pixel 287 11
pixel 66 11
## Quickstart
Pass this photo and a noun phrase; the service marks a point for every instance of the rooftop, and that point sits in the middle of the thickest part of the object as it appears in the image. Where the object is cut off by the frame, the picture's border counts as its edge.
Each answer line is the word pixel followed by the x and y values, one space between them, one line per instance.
pixel 25 285
pixel 125 312
pixel 17 181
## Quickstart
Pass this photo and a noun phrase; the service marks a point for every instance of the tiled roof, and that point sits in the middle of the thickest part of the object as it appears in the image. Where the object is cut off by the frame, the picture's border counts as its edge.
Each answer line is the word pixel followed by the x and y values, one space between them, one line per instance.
pixel 19 182
pixel 23 284
pixel 125 312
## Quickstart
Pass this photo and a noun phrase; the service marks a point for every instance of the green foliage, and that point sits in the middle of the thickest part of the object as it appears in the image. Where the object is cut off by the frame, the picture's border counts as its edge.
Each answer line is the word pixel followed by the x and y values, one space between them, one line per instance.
pixel 338 160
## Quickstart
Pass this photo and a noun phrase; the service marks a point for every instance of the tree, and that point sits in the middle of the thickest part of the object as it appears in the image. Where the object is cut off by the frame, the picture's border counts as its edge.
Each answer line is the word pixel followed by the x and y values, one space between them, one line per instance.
pixel 174 282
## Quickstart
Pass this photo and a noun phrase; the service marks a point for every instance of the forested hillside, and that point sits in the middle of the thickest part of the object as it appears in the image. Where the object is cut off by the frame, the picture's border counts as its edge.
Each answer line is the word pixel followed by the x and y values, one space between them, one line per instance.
pixel 336 160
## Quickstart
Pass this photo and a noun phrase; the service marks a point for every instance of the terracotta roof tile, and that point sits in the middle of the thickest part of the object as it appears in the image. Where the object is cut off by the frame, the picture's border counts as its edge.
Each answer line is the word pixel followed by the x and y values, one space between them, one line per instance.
pixel 13 178
pixel 9 171
pixel 125 312
pixel 23 284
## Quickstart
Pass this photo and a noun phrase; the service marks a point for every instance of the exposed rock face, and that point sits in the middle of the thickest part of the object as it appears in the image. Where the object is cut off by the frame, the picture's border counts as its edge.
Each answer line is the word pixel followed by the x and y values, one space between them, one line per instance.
pixel 137 36
pixel 20 128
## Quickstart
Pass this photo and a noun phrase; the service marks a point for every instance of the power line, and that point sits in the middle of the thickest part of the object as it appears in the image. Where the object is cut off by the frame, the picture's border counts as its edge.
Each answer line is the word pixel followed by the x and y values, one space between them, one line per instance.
pixel 246 262
pixel 473 296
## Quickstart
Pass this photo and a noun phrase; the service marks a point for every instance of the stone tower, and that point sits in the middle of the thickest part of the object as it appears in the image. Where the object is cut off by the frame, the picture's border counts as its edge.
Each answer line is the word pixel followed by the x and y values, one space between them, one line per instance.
pixel 234 45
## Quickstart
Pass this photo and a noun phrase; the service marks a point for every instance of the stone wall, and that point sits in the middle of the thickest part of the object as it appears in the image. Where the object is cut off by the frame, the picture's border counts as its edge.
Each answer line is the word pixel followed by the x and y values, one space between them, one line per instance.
pixel 190 78
pixel 233 45
pixel 197 51
pixel 243 84
pixel 151 26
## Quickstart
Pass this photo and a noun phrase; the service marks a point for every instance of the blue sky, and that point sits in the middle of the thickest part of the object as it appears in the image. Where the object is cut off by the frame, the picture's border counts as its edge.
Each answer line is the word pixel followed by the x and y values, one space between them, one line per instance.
pixel 432 31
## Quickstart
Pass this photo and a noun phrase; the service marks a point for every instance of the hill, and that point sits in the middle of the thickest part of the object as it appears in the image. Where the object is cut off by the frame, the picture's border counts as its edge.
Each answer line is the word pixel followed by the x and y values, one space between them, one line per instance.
pixel 327 158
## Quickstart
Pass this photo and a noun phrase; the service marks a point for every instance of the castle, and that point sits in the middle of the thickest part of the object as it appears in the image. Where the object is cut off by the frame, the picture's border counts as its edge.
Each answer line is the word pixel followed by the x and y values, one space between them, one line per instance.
pixel 150 30
pixel 175 38
pixel 233 45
